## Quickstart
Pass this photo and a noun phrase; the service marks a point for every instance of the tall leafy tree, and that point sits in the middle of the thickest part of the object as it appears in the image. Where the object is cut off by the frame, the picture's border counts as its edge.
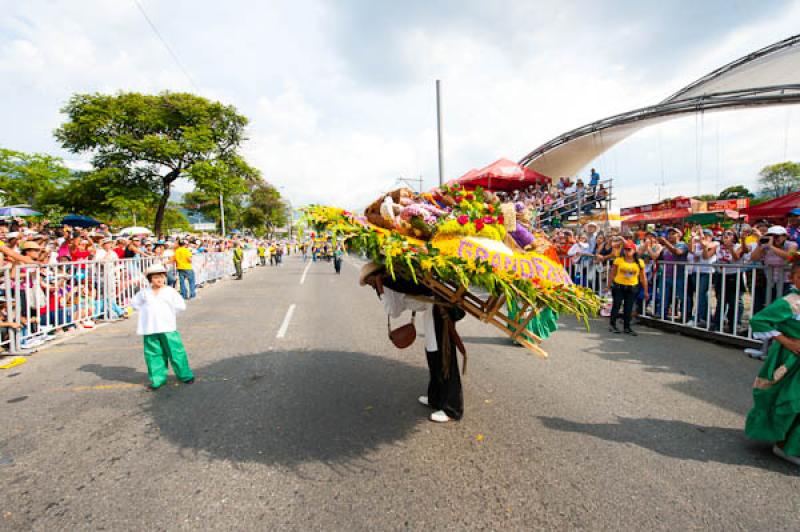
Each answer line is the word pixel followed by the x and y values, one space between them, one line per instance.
pixel 779 179
pixel 153 140
pixel 736 192
pixel 31 178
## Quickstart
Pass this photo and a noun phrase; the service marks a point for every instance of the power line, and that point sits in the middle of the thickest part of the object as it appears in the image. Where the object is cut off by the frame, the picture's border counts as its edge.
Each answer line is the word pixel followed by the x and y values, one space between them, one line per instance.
pixel 166 45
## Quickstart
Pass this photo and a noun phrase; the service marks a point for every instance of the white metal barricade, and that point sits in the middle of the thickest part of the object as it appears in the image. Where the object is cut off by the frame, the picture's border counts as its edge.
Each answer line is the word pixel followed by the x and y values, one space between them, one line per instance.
pixel 715 298
pixel 46 298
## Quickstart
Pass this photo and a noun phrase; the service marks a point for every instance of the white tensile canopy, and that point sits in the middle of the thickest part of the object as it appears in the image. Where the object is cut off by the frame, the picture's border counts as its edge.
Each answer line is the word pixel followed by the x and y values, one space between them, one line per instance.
pixel 770 76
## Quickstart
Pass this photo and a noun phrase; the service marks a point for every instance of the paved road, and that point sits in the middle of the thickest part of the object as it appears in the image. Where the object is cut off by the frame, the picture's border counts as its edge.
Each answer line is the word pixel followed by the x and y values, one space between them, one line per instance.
pixel 320 429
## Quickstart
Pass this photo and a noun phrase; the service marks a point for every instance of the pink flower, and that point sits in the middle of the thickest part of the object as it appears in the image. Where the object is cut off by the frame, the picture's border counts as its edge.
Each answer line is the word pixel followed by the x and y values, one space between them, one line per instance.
pixel 488 220
pixel 463 219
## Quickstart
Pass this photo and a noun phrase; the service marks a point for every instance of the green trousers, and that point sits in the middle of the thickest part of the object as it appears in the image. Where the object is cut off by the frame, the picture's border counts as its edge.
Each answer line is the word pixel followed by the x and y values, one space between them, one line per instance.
pixel 237 264
pixel 161 350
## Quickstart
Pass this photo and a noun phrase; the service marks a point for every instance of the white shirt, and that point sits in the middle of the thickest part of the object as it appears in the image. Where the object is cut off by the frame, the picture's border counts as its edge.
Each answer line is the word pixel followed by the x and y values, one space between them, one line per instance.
pixel 697 256
pixel 394 303
pixel 157 311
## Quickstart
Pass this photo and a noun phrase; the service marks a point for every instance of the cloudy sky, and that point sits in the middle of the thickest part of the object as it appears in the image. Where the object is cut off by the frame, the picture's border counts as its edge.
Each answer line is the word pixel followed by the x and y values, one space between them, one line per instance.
pixel 340 93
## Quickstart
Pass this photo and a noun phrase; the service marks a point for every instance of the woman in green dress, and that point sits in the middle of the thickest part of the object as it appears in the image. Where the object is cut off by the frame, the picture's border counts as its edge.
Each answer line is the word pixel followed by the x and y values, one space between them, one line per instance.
pixel 775 416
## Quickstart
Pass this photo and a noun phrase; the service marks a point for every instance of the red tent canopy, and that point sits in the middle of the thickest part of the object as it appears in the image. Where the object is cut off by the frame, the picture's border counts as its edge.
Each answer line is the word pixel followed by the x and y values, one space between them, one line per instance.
pixel 502 174
pixel 533 176
pixel 777 208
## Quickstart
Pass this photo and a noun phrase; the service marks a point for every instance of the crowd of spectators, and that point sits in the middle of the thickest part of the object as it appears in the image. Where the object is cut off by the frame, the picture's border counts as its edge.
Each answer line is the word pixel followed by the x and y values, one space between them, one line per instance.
pixel 549 204
pixel 55 278
pixel 698 275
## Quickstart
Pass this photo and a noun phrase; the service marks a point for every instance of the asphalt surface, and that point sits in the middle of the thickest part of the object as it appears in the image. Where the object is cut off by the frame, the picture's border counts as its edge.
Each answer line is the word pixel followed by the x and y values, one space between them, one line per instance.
pixel 320 429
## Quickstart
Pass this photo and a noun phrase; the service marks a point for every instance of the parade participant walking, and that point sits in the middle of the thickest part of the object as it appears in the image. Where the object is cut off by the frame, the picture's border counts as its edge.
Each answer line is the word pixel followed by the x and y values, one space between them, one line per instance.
pixel 627 273
pixel 183 263
pixel 775 416
pixel 238 254
pixel 445 395
pixel 337 259
pixel 158 306
pixel 262 254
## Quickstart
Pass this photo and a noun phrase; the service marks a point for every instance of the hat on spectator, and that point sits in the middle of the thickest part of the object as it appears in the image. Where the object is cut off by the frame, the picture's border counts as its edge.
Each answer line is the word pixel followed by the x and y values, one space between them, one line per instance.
pixel 674 230
pixel 154 269
pixel 629 244
pixel 776 230
pixel 12 234
pixel 29 245
pixel 794 212
pixel 708 232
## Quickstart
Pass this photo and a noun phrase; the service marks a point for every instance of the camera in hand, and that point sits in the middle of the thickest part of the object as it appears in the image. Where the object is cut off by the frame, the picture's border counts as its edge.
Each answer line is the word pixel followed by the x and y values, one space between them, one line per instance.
pixel 765 240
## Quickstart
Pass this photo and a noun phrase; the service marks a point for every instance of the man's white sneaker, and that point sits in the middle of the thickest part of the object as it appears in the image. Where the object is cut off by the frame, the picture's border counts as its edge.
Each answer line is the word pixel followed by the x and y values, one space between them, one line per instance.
pixel 779 452
pixel 423 400
pixel 439 417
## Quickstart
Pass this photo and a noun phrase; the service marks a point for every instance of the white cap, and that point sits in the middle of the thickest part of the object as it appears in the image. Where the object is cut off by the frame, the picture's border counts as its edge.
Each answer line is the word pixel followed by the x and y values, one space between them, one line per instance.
pixel 777 230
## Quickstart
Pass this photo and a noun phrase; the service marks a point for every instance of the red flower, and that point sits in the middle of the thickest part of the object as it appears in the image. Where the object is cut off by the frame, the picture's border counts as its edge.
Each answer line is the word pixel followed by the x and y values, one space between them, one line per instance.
pixel 463 219
pixel 470 197
pixel 478 224
pixel 500 219
pixel 488 220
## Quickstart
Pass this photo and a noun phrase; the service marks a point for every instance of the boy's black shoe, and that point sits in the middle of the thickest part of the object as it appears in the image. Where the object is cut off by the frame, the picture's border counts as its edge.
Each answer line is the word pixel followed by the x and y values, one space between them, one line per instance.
pixel 190 381
pixel 631 332
pixel 613 328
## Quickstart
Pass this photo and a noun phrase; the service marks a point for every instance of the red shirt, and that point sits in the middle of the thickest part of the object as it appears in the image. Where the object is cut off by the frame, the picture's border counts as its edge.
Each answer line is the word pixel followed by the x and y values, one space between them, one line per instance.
pixel 81 254
pixel 120 252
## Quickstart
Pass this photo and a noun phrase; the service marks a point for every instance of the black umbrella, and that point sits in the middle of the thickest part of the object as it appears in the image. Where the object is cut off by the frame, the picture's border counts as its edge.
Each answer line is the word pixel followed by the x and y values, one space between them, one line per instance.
pixel 78 220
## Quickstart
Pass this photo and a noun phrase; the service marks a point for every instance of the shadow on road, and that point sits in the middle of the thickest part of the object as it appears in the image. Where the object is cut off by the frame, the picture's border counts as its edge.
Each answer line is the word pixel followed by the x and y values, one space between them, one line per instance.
pixel 288 408
pixel 717 375
pixel 487 340
pixel 116 373
pixel 678 439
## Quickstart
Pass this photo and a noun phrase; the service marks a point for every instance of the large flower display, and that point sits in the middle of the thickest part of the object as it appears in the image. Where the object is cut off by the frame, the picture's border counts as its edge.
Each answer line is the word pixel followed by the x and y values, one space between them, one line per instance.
pixel 466 240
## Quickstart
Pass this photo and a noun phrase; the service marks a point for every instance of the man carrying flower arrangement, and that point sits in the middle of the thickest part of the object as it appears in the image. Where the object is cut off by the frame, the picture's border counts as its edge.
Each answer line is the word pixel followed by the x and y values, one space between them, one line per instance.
pixel 445 394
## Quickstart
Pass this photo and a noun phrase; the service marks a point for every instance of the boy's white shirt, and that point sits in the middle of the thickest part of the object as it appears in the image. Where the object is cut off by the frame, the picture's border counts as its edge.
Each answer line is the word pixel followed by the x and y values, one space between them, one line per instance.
pixel 157 312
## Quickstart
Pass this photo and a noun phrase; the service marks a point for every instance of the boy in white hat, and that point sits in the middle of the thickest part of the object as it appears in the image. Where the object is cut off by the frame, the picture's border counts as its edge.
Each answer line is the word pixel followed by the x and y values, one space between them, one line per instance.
pixel 158 305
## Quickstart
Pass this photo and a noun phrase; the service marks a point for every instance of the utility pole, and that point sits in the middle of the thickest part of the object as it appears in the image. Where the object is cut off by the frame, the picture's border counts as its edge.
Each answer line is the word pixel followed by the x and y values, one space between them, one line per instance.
pixel 221 212
pixel 439 130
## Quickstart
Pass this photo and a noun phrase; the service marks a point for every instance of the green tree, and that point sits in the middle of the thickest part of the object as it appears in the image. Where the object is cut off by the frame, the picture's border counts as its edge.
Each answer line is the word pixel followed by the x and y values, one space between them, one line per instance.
pixel 705 197
pixel 779 179
pixel 268 200
pixel 153 140
pixel 31 178
pixel 736 192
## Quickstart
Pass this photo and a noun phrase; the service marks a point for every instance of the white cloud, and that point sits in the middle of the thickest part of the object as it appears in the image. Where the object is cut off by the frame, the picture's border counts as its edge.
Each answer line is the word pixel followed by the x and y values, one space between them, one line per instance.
pixel 341 96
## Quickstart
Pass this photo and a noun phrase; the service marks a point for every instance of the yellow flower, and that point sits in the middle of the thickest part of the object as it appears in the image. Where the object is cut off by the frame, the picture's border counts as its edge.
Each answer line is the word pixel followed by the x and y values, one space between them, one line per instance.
pixel 426 264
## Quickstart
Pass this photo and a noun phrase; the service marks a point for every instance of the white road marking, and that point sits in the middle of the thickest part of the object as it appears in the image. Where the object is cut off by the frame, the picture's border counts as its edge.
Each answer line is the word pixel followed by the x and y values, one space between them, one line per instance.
pixel 286 320
pixel 303 278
